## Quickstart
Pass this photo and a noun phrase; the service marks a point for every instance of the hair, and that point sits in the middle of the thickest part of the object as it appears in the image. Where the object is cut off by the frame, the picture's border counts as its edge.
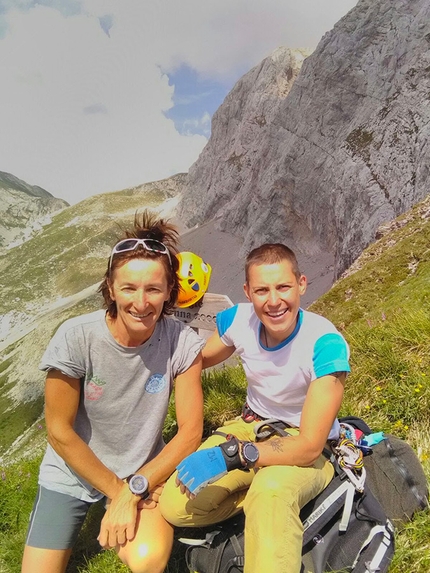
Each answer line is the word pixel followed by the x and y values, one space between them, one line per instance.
pixel 146 226
pixel 269 254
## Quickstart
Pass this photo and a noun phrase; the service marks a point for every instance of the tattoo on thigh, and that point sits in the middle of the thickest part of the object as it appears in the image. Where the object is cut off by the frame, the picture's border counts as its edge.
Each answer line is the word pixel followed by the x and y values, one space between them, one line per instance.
pixel 277 445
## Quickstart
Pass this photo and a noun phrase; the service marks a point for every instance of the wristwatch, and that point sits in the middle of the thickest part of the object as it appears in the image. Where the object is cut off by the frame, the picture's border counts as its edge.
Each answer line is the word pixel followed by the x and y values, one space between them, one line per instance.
pixel 250 454
pixel 138 485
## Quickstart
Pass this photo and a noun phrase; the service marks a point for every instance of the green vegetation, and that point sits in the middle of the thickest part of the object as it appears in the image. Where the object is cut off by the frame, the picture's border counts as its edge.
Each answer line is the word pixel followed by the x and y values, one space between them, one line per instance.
pixel 14 421
pixel 383 309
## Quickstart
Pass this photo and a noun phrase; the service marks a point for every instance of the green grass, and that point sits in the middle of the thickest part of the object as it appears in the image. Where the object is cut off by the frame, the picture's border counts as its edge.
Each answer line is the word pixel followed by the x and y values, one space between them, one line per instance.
pixel 18 484
pixel 15 418
pixel 390 379
pixel 14 421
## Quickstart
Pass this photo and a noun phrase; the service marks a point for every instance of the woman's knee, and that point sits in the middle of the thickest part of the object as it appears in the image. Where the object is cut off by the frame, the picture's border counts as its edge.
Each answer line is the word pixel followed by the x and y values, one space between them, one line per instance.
pixel 148 564
pixel 143 558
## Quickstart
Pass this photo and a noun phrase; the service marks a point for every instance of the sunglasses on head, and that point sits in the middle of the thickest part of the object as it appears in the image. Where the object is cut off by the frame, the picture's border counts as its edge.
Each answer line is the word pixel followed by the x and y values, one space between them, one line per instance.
pixel 151 245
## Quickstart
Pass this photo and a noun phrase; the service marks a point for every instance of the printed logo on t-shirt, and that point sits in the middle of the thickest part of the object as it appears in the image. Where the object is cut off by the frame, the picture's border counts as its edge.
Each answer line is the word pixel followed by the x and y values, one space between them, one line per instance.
pixel 94 388
pixel 155 383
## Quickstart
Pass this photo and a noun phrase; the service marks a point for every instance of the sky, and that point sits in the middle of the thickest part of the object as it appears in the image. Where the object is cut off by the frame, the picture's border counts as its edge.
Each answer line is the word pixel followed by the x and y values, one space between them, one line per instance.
pixel 102 95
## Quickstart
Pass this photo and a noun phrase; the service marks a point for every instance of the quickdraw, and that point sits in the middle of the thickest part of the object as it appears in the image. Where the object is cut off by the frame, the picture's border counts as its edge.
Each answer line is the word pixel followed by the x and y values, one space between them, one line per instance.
pixel 350 459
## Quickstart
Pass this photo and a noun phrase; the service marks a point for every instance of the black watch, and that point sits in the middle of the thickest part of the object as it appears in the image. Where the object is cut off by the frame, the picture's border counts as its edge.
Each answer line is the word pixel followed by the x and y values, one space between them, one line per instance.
pixel 138 485
pixel 250 454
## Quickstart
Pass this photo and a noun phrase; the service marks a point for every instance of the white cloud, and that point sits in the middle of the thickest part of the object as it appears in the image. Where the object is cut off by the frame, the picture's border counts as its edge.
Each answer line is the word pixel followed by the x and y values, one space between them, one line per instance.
pixel 83 93
pixel 206 118
pixel 197 124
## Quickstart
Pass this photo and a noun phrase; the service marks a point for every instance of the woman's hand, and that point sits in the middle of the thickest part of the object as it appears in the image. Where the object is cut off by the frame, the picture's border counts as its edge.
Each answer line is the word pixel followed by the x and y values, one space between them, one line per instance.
pixel 152 500
pixel 119 522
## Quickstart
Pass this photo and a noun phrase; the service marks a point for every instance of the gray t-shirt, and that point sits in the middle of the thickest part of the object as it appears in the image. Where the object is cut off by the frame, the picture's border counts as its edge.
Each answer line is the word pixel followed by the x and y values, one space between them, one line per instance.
pixel 124 394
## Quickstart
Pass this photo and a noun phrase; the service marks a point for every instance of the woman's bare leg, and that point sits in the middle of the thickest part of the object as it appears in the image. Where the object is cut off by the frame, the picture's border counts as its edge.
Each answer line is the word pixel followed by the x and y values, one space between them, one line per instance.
pixel 150 549
pixel 38 560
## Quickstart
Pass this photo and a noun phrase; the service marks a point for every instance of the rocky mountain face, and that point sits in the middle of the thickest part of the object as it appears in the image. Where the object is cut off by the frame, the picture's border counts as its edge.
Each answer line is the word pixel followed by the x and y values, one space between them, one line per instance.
pixel 320 156
pixel 24 209
pixel 167 188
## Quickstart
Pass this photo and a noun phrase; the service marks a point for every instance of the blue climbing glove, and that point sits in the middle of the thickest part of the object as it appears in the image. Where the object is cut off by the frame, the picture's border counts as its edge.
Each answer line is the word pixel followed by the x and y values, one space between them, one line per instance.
pixel 203 467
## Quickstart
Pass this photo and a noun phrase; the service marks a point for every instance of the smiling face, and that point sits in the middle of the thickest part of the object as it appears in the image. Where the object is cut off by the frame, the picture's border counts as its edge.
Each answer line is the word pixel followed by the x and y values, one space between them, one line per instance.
pixel 139 289
pixel 275 292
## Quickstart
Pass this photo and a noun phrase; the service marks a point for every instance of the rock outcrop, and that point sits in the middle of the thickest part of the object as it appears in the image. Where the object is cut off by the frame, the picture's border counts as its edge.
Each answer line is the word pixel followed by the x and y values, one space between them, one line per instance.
pixel 320 158
pixel 166 188
pixel 24 209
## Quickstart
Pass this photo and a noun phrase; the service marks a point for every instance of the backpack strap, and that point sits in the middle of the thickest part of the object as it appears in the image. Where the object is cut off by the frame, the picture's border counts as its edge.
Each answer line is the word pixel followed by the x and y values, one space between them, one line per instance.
pixel 218 553
pixel 270 427
pixel 239 560
pixel 347 508
pixel 340 493
pixel 374 565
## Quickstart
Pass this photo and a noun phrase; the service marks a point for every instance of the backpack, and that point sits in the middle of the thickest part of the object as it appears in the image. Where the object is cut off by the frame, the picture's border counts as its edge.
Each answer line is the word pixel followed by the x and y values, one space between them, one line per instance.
pixel 344 528
pixel 394 475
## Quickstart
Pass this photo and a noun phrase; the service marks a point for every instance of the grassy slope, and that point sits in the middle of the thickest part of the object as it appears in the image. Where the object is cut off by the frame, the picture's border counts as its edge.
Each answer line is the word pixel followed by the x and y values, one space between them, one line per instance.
pixel 383 311
pixel 21 383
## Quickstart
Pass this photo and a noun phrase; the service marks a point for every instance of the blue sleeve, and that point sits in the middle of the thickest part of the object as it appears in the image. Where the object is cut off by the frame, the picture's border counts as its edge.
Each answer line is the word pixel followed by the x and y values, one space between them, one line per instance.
pixel 224 319
pixel 331 354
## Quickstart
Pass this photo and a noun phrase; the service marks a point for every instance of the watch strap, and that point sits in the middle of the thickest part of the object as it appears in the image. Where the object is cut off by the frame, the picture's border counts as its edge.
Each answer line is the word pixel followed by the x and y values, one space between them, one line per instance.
pixel 230 451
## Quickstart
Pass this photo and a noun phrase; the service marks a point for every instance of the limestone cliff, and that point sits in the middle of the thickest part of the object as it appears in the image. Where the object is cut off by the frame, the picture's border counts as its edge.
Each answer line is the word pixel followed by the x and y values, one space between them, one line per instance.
pixel 24 209
pixel 320 158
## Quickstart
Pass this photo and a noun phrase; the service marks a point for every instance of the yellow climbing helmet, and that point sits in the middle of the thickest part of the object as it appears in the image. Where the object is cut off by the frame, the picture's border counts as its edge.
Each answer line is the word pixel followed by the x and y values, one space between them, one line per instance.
pixel 194 275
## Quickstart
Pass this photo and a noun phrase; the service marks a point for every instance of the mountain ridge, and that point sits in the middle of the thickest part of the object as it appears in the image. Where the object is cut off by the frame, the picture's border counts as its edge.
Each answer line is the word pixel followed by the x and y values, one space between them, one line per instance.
pixel 9 181
pixel 24 209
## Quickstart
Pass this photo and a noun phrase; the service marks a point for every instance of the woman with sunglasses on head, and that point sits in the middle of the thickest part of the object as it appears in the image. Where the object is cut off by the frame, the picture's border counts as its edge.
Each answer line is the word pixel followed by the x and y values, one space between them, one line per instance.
pixel 109 378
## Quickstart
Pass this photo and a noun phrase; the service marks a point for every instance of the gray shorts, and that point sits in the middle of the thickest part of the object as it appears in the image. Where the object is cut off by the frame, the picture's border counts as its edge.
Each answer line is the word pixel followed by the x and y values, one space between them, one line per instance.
pixel 55 520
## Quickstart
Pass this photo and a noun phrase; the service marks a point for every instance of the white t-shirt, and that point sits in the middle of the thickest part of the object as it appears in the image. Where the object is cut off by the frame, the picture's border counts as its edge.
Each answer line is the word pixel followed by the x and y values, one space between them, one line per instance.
pixel 279 377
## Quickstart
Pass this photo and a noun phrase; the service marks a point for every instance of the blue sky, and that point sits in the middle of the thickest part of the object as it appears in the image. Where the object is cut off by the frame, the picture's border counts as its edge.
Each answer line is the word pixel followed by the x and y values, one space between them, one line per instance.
pixel 195 99
pixel 100 95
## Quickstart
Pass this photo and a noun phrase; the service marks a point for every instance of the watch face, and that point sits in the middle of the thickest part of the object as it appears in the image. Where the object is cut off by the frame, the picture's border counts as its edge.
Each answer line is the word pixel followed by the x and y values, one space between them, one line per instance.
pixel 250 453
pixel 138 484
